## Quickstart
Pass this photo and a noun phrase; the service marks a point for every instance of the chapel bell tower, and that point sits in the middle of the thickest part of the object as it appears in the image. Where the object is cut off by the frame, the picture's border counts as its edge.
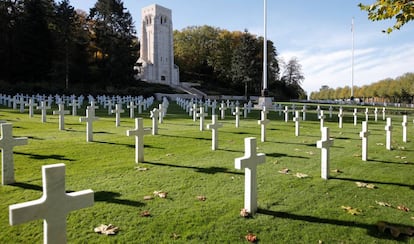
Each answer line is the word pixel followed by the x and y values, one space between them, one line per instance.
pixel 156 62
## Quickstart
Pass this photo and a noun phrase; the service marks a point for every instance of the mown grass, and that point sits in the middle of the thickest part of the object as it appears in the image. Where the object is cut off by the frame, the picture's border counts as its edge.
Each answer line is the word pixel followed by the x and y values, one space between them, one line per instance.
pixel 180 161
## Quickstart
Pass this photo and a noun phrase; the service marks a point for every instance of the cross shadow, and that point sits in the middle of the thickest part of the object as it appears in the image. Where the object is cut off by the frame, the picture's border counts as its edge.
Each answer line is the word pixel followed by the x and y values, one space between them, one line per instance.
pixel 295 143
pixel 278 155
pixel 27 186
pixel 127 145
pixel 389 162
pixel 35 138
pixel 112 197
pixel 43 157
pixel 372 229
pixel 208 170
pixel 373 182
pixel 197 138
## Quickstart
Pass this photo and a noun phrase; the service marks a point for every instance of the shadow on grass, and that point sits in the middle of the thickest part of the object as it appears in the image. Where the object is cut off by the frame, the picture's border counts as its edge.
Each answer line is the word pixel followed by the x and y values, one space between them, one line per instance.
pixel 372 229
pixel 35 138
pixel 127 145
pixel 43 157
pixel 208 170
pixel 27 186
pixel 196 138
pixel 389 162
pixel 373 182
pixel 112 197
pixel 278 155
pixel 294 143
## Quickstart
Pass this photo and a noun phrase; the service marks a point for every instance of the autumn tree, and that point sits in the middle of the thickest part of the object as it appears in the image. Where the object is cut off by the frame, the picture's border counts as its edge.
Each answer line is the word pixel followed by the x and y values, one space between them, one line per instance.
pixel 401 10
pixel 293 77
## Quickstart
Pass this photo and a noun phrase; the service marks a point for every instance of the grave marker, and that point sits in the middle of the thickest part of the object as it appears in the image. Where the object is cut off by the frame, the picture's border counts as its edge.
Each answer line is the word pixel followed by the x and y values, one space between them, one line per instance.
pixel 376 114
pixel 286 112
pixel 222 110
pixel 340 116
pixel 322 119
pixel 355 116
pixel 249 163
pixel 139 133
pixel 366 114
pixel 383 113
pixel 131 107
pixel 296 119
pixel 61 112
pixel 117 111
pixel 214 126
pixel 53 206
pixel 154 116
pixel 31 105
pixel 89 119
pixel 364 135
pixel 202 116
pixel 43 108
pixel 263 122
pixel 74 104
pixel 388 129
pixel 7 142
pixel 237 113
pixel 404 127
pixel 304 112
pixel 324 144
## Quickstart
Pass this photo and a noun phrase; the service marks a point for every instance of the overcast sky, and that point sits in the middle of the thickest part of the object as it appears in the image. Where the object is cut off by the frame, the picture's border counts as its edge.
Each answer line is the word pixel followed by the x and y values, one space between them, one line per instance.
pixel 318 33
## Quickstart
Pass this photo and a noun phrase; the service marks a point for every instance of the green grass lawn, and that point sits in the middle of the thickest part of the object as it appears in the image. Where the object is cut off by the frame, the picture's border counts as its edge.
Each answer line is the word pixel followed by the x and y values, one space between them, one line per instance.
pixel 180 161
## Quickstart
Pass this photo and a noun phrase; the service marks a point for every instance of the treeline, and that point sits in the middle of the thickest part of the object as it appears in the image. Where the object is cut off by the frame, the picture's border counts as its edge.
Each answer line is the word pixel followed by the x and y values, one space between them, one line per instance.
pixel 48 45
pixel 218 58
pixel 398 90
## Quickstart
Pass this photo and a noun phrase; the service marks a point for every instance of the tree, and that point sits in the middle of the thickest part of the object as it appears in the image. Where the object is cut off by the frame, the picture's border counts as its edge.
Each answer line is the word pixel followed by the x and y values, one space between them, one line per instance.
pixel 116 48
pixel 401 10
pixel 292 76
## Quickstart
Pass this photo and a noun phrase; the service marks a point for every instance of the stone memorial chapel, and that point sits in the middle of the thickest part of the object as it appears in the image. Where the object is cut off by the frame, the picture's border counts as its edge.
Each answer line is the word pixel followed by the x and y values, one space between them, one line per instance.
pixel 156 62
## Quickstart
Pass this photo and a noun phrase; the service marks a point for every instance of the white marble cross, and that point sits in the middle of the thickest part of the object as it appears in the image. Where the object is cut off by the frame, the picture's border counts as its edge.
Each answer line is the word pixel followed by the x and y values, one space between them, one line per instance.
pixel 54 205
pixel 324 144
pixel 194 111
pixel 108 105
pixel 388 129
pixel 318 109
pixel 355 114
pixel 214 126
pixel 286 111
pixel 366 114
pixel 376 114
pixel 92 108
pixel 222 110
pixel 296 119
pixel 322 117
pixel 383 113
pixel 263 122
pixel 245 110
pixel 404 127
pixel 74 104
pixel 304 112
pixel 330 111
pixel 89 119
pixel 139 133
pixel 340 116
pixel 237 113
pixel 31 105
pixel 43 108
pixel 364 135
pixel 117 111
pixel 7 142
pixel 61 112
pixel 161 111
pixel 202 116
pixel 154 116
pixel 21 104
pixel 131 107
pixel 249 163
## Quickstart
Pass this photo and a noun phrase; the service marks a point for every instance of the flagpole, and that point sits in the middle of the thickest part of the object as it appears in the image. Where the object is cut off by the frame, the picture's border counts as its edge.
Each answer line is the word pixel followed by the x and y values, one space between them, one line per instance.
pixel 353 52
pixel 265 50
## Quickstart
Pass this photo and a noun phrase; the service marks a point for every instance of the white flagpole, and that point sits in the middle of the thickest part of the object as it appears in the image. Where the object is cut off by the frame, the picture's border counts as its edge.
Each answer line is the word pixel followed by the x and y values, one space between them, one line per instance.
pixel 353 47
pixel 265 49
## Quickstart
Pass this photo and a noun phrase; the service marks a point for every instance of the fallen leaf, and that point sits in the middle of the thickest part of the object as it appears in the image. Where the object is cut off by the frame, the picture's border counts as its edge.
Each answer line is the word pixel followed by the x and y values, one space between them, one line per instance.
pixel 145 213
pixel 301 175
pixel 161 194
pixel 395 230
pixel 403 208
pixel 336 171
pixel 365 185
pixel 244 213
pixel 357 155
pixel 380 144
pixel 106 229
pixel 284 171
pixel 351 210
pixel 202 198
pixel 169 154
pixel 251 238
pixel 141 169
pixel 384 204
pixel 175 236
pixel 148 197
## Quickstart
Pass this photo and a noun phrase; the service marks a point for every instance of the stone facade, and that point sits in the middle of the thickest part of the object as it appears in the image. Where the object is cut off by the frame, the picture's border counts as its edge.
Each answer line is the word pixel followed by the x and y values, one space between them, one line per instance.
pixel 156 62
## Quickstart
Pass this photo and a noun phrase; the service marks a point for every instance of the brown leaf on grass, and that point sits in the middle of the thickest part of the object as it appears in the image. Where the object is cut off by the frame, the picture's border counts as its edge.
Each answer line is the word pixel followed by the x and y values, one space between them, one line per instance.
pixel 284 171
pixel 145 213
pixel 380 144
pixel 244 213
pixel 336 171
pixel 403 208
pixel 365 185
pixel 175 236
pixel 384 204
pixel 301 175
pixel 106 229
pixel 251 238
pixel 148 197
pixel 356 155
pixel 395 230
pixel 351 210
pixel 141 169
pixel 202 198
pixel 161 194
